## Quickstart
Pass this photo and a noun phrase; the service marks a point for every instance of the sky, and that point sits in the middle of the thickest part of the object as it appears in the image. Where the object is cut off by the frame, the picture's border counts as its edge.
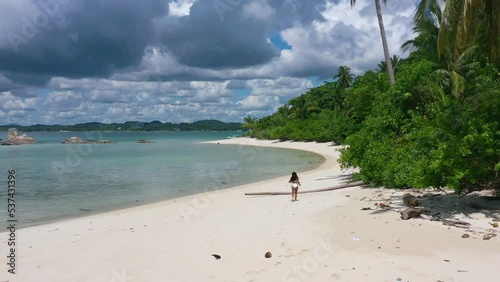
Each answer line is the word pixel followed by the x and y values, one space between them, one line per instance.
pixel 72 61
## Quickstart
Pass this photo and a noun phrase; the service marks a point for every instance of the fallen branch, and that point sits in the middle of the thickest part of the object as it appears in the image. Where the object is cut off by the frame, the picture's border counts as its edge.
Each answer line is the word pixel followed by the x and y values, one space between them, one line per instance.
pixel 352 184
pixel 456 223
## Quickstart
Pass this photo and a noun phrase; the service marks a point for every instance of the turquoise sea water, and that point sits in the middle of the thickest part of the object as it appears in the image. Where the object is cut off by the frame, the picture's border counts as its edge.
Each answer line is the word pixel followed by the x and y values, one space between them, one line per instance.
pixel 57 181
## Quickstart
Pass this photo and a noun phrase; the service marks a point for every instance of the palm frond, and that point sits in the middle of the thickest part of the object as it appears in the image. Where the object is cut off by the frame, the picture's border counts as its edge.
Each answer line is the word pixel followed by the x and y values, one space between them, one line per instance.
pixel 408 45
pixel 451 27
pixel 467 57
pixel 457 85
pixel 427 10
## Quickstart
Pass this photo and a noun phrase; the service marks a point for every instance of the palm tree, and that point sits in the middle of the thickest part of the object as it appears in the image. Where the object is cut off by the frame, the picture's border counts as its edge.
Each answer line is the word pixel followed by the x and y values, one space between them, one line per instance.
pixel 300 108
pixel 492 8
pixel 283 114
pixel 455 73
pixel 334 96
pixel 297 107
pixel 396 62
pixel 469 32
pixel 470 22
pixel 344 77
pixel 384 39
pixel 426 22
pixel 250 123
pixel 448 40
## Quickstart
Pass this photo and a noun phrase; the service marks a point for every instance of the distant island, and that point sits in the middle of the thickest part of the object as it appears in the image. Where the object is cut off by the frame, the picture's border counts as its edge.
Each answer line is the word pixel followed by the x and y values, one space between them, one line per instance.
pixel 202 125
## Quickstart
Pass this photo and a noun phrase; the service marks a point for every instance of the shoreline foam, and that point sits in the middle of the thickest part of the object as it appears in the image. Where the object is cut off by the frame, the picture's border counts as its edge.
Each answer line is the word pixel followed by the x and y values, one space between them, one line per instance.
pixel 322 237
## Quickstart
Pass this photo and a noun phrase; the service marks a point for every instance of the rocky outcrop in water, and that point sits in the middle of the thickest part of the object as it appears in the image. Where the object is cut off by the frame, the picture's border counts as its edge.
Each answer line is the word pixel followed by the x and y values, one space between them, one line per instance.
pixel 13 138
pixel 78 140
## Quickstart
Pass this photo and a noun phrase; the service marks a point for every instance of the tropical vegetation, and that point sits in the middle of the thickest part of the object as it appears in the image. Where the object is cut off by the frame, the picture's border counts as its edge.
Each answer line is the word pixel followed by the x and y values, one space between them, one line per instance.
pixel 437 126
pixel 207 125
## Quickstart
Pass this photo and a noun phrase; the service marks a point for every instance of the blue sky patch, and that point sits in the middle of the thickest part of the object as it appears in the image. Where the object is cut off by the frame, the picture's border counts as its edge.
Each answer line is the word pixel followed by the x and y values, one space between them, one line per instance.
pixel 279 42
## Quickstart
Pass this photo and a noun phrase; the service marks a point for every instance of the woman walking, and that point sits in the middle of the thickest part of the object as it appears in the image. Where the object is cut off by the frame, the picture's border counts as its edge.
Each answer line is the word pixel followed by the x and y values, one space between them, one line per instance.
pixel 295 185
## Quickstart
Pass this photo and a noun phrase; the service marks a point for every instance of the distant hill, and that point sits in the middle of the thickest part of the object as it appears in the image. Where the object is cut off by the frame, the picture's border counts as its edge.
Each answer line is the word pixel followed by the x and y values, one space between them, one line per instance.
pixel 208 125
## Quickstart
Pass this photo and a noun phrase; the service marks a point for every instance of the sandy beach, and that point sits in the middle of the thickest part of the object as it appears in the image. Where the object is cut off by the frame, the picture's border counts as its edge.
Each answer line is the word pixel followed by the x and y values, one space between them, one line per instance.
pixel 326 236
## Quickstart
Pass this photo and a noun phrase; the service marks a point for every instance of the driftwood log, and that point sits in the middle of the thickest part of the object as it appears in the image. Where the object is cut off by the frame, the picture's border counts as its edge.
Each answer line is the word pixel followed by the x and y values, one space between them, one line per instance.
pixel 410 200
pixel 456 223
pixel 411 213
pixel 352 184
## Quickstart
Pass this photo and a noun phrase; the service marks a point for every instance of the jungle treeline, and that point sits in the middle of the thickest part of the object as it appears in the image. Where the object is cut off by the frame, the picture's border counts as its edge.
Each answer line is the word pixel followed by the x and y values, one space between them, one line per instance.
pixel 437 126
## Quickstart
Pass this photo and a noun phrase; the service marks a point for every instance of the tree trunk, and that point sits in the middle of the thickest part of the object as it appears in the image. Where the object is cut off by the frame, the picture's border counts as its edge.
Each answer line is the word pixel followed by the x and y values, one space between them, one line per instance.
pixel 493 8
pixel 347 185
pixel 384 42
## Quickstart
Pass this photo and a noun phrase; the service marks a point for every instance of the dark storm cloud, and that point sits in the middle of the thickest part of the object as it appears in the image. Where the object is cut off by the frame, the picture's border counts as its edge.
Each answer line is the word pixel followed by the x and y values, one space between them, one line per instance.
pixel 221 33
pixel 5 83
pixel 202 39
pixel 16 90
pixel 25 78
pixel 78 38
pixel 96 38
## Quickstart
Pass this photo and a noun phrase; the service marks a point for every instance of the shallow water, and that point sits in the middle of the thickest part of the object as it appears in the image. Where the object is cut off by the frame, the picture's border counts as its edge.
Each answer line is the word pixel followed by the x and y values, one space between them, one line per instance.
pixel 57 181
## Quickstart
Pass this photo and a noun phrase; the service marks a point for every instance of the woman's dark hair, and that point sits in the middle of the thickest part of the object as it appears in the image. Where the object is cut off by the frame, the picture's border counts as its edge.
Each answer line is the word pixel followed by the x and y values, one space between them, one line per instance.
pixel 294 176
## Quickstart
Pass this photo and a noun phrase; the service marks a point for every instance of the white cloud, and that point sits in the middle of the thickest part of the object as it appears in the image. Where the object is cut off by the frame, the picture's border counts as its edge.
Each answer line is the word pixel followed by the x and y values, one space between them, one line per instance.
pixel 9 102
pixel 209 91
pixel 180 8
pixel 284 88
pixel 258 10
pixel 63 100
pixel 347 37
pixel 253 103
pixel 162 88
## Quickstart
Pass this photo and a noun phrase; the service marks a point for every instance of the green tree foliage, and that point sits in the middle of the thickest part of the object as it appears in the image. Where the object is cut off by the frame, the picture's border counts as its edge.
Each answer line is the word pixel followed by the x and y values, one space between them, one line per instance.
pixel 396 62
pixel 249 123
pixel 470 22
pixel 212 125
pixel 344 77
pixel 437 126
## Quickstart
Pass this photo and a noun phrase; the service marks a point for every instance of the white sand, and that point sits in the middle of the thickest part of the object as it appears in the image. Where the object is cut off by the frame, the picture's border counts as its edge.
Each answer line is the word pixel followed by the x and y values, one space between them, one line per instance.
pixel 322 237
